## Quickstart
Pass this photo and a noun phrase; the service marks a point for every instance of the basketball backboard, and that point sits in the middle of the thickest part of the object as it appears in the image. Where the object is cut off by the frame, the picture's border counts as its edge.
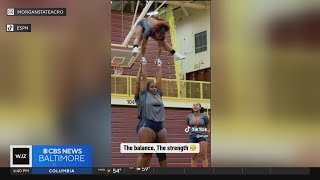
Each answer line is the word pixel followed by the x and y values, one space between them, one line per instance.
pixel 123 56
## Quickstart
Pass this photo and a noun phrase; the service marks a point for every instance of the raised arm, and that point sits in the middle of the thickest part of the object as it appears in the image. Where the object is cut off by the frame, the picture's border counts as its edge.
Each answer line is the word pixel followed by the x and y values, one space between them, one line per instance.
pixel 137 87
pixel 207 121
pixel 144 46
pixel 159 49
pixel 159 66
pixel 144 78
pixel 143 82
pixel 159 75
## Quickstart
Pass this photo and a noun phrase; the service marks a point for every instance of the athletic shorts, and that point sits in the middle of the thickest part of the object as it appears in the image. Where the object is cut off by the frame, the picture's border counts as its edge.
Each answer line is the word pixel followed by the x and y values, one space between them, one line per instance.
pixel 193 139
pixel 147 29
pixel 155 126
pixel 143 24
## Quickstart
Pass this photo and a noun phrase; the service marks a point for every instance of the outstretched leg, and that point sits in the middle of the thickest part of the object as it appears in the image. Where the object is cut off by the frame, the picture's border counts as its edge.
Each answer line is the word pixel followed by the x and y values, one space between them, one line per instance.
pixel 137 40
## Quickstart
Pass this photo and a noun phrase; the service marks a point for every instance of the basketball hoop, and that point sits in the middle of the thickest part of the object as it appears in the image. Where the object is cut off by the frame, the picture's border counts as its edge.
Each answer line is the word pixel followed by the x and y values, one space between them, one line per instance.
pixel 123 56
pixel 118 70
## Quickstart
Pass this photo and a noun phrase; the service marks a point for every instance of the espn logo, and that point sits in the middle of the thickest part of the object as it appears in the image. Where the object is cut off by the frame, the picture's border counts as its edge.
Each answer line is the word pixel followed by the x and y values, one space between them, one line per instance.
pixel 20 156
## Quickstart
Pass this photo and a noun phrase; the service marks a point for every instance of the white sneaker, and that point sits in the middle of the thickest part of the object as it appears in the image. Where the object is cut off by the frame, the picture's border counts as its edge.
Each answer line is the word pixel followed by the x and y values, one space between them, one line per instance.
pixel 178 56
pixel 158 62
pixel 143 60
pixel 135 51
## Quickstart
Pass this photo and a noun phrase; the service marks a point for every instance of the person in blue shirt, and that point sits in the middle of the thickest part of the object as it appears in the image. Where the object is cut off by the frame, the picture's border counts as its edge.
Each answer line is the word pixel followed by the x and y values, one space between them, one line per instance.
pixel 198 124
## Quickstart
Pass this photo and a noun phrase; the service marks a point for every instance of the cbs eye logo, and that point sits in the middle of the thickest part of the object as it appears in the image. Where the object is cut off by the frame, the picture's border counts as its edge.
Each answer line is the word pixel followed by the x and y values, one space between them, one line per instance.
pixel 21 156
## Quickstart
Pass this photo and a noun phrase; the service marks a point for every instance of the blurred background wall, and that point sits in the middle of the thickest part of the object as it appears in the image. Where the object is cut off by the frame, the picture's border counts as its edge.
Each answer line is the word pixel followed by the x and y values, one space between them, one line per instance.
pixel 265 58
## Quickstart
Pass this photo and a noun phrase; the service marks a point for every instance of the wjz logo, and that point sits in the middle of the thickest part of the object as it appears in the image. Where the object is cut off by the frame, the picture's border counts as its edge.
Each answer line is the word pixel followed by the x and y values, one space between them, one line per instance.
pixel 20 156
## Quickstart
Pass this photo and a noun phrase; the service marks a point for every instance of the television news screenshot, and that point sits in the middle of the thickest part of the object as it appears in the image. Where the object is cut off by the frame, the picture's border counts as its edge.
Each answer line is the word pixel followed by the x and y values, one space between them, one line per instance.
pixel 140 87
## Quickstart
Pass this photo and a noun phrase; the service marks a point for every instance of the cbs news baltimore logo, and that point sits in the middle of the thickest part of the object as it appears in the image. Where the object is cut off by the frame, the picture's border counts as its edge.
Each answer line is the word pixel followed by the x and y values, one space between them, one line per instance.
pixel 21 156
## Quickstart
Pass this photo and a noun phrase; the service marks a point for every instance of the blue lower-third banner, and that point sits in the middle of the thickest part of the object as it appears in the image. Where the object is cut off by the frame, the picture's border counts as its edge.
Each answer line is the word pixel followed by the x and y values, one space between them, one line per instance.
pixel 61 159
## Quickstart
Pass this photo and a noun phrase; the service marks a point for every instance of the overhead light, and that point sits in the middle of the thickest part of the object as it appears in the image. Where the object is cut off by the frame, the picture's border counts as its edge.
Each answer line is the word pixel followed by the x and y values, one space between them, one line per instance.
pixel 152 13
